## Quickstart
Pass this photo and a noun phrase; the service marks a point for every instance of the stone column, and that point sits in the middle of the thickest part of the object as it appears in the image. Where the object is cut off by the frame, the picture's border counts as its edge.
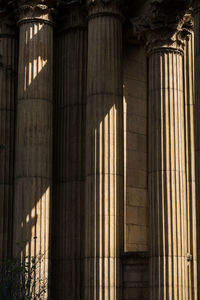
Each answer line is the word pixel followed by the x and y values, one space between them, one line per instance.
pixel 167 166
pixel 7 105
pixel 104 151
pixel 33 168
pixel 69 152
pixel 190 165
pixel 196 13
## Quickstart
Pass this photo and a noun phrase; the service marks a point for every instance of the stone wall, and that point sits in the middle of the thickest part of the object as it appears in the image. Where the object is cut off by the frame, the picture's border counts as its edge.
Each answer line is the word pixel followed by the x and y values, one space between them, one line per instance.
pixel 135 144
pixel 135 277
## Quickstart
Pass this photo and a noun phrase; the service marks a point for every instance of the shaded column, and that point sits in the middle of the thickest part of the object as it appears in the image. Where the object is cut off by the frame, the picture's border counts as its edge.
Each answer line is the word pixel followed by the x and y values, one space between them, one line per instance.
pixel 7 105
pixel 196 13
pixel 190 166
pixel 33 168
pixel 69 153
pixel 104 153
pixel 167 172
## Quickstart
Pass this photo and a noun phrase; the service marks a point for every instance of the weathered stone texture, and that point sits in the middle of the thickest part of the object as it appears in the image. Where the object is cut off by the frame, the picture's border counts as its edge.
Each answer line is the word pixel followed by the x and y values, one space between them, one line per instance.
pixel 104 166
pixel 111 122
pixel 167 175
pixel 196 6
pixel 135 149
pixel 190 164
pixel 33 166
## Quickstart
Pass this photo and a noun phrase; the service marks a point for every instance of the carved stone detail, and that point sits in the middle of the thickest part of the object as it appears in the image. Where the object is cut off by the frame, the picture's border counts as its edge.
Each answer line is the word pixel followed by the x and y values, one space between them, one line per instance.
pixel 102 2
pixel 35 9
pixel 70 15
pixel 163 28
pixel 103 7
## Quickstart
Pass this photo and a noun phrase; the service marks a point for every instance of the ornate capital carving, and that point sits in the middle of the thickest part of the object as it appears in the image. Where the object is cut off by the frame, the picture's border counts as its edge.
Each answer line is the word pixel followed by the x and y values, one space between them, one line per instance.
pixel 162 26
pixel 72 15
pixel 33 10
pixel 97 8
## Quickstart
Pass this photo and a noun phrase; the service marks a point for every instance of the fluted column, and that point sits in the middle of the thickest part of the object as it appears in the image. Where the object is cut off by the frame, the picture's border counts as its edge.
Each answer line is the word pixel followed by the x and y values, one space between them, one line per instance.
pixel 7 105
pixel 167 171
pixel 196 12
pixel 33 168
pixel 104 157
pixel 190 166
pixel 69 153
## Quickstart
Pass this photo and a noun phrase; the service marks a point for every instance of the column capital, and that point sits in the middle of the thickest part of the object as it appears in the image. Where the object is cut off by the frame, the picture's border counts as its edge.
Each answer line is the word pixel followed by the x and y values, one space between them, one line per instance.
pixel 163 27
pixel 71 15
pixel 35 10
pixel 98 8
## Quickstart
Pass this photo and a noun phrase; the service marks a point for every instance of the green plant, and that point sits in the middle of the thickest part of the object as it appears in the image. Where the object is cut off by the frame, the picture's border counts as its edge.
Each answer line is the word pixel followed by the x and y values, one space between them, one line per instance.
pixel 22 280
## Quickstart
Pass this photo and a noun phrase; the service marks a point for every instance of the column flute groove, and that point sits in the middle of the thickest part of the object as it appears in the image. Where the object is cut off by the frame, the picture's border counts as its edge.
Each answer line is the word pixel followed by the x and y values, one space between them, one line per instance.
pixel 7 107
pixel 104 153
pixel 167 177
pixel 190 164
pixel 196 13
pixel 168 197
pixel 69 152
pixel 33 168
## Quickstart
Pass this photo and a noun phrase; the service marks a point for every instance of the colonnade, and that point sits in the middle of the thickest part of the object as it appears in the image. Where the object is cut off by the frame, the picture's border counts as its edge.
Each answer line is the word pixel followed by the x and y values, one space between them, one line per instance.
pixel 67 168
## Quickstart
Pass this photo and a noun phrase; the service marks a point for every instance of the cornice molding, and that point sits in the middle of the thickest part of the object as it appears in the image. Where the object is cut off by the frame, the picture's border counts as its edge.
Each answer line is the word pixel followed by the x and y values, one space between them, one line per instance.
pixel 163 27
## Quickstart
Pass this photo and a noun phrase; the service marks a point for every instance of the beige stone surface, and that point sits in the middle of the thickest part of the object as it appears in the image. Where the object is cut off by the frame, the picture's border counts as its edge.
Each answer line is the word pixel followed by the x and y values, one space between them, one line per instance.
pixel 190 164
pixel 104 156
pixel 196 7
pixel 167 176
pixel 33 165
pixel 120 221
pixel 136 217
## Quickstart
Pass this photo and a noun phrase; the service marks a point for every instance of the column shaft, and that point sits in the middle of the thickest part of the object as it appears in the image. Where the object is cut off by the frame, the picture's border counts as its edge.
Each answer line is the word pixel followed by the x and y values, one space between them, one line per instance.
pixel 104 161
pixel 196 6
pixel 7 105
pixel 190 166
pixel 69 154
pixel 33 169
pixel 167 176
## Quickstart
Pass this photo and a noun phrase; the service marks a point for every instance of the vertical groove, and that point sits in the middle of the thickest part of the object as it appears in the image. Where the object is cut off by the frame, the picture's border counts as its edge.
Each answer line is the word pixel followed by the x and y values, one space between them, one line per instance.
pixel 196 170
pixel 190 166
pixel 7 99
pixel 104 166
pixel 34 143
pixel 69 155
pixel 167 176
